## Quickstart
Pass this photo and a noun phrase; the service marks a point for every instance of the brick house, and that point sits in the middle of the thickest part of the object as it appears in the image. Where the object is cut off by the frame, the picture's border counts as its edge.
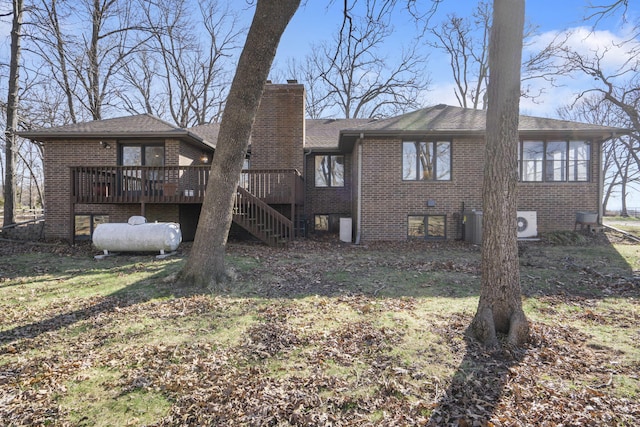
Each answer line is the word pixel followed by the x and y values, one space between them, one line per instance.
pixel 410 176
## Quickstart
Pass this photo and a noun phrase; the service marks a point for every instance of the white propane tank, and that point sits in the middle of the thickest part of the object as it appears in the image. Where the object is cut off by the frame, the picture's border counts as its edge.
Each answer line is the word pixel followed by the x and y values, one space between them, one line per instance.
pixel 137 236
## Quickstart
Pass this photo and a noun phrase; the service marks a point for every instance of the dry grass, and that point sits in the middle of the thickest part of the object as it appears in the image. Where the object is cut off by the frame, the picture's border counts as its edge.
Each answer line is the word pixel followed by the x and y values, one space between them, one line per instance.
pixel 321 333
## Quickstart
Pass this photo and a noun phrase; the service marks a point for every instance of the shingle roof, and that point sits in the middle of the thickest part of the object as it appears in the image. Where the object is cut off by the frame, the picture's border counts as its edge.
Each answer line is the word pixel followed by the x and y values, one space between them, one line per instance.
pixel 456 120
pixel 319 133
pixel 142 125
pixel 325 133
pixel 330 134
pixel 208 132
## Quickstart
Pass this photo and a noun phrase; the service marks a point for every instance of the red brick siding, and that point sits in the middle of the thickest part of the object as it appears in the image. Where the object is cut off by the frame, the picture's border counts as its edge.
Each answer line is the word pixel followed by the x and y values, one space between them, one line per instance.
pixel 387 200
pixel 277 140
pixel 60 155
pixel 332 200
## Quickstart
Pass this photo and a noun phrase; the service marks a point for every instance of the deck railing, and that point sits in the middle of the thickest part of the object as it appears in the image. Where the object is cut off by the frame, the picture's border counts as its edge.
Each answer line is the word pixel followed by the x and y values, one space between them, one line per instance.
pixel 176 184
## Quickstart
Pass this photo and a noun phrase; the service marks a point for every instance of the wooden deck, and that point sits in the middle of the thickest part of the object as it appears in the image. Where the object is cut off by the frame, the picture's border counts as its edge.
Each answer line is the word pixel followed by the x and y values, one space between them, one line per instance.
pixel 258 191
pixel 176 184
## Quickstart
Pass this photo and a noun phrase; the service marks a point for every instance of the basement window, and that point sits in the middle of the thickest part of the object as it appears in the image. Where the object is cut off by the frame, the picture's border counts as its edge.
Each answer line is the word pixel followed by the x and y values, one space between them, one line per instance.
pixel 429 227
pixel 321 222
pixel 84 224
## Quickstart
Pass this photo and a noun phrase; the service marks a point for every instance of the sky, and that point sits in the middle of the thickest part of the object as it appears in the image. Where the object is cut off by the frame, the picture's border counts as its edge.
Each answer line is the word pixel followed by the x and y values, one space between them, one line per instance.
pixel 315 22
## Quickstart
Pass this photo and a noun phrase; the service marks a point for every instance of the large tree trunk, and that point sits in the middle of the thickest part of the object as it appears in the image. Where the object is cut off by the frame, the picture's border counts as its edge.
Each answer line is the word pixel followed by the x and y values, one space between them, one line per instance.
pixel 12 116
pixel 206 263
pixel 500 305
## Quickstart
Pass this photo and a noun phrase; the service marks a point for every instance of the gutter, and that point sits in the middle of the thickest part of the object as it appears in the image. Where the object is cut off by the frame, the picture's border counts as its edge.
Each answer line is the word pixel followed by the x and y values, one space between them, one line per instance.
pixel 181 134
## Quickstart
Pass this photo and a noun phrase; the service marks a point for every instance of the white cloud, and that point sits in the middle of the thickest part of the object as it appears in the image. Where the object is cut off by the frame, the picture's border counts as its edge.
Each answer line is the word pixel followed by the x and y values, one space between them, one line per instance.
pixel 614 48
pixel 441 93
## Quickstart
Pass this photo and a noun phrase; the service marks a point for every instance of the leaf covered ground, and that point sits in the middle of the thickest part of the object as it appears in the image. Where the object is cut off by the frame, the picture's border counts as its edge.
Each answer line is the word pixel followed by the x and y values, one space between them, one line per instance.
pixel 320 333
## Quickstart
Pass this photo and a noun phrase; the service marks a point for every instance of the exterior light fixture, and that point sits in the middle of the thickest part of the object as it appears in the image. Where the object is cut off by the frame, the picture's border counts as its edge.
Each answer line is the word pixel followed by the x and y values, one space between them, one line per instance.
pixel 204 158
pixel 104 144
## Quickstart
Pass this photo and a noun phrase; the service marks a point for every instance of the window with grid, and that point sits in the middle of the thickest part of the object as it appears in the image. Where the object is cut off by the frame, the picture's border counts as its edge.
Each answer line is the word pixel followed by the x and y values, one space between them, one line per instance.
pixel 426 161
pixel 554 161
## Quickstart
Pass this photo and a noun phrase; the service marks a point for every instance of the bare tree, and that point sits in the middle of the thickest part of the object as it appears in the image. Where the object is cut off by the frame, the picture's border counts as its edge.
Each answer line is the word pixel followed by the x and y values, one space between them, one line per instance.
pixel 628 173
pixel 597 12
pixel 206 263
pixel 618 85
pixel 466 42
pixel 318 104
pixel 500 305
pixel 620 90
pixel 12 115
pixel 137 93
pixel 181 73
pixel 352 78
pixel 615 87
pixel 468 56
pixel 619 167
pixel 83 59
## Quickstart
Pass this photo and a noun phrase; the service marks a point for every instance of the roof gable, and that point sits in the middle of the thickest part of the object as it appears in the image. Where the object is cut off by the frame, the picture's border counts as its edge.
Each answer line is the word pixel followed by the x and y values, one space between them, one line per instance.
pixel 447 119
pixel 138 126
pixel 208 132
pixel 142 123
pixel 325 133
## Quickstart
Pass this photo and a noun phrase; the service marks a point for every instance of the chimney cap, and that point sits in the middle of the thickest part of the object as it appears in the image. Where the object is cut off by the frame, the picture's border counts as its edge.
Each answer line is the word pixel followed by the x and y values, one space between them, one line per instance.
pixel 292 81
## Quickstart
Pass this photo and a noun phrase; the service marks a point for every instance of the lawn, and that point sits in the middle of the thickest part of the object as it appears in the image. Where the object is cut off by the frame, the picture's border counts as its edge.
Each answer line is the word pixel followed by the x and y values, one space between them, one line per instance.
pixel 320 333
pixel 628 224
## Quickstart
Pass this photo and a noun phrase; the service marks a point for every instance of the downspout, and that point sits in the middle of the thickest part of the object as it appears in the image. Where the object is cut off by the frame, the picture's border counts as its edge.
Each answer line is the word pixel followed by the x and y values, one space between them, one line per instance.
pixel 359 190
pixel 306 205
pixel 601 179
pixel 600 183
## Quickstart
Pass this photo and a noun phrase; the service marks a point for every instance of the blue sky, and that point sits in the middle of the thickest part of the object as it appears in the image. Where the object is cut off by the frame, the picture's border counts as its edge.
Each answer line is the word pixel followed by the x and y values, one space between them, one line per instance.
pixel 315 22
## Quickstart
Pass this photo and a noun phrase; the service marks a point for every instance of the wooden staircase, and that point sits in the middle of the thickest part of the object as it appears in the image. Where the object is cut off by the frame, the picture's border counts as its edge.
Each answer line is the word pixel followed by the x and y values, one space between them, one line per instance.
pixel 261 220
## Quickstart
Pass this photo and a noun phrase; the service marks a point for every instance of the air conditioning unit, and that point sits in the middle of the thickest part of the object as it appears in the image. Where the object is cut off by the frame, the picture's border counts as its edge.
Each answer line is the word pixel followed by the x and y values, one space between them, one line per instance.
pixel 527 224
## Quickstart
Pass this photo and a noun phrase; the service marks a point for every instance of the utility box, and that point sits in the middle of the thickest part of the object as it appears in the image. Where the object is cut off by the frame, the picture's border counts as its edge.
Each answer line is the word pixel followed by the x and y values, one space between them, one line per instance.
pixel 472 221
pixel 346 232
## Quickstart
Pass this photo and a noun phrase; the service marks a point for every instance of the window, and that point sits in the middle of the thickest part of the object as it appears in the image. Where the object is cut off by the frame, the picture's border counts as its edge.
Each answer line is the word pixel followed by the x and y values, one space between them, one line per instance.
pixel 579 160
pixel 554 161
pixel 532 159
pixel 133 154
pixel 142 155
pixel 427 227
pixel 244 175
pixel 426 161
pixel 329 171
pixel 321 223
pixel 84 225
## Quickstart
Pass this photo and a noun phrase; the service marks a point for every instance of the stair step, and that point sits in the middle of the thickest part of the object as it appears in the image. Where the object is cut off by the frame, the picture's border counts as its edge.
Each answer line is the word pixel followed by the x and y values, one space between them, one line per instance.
pixel 262 221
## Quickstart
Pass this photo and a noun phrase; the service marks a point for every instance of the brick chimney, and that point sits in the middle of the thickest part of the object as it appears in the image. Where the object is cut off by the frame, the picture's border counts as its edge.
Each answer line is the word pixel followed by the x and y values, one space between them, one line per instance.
pixel 277 138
